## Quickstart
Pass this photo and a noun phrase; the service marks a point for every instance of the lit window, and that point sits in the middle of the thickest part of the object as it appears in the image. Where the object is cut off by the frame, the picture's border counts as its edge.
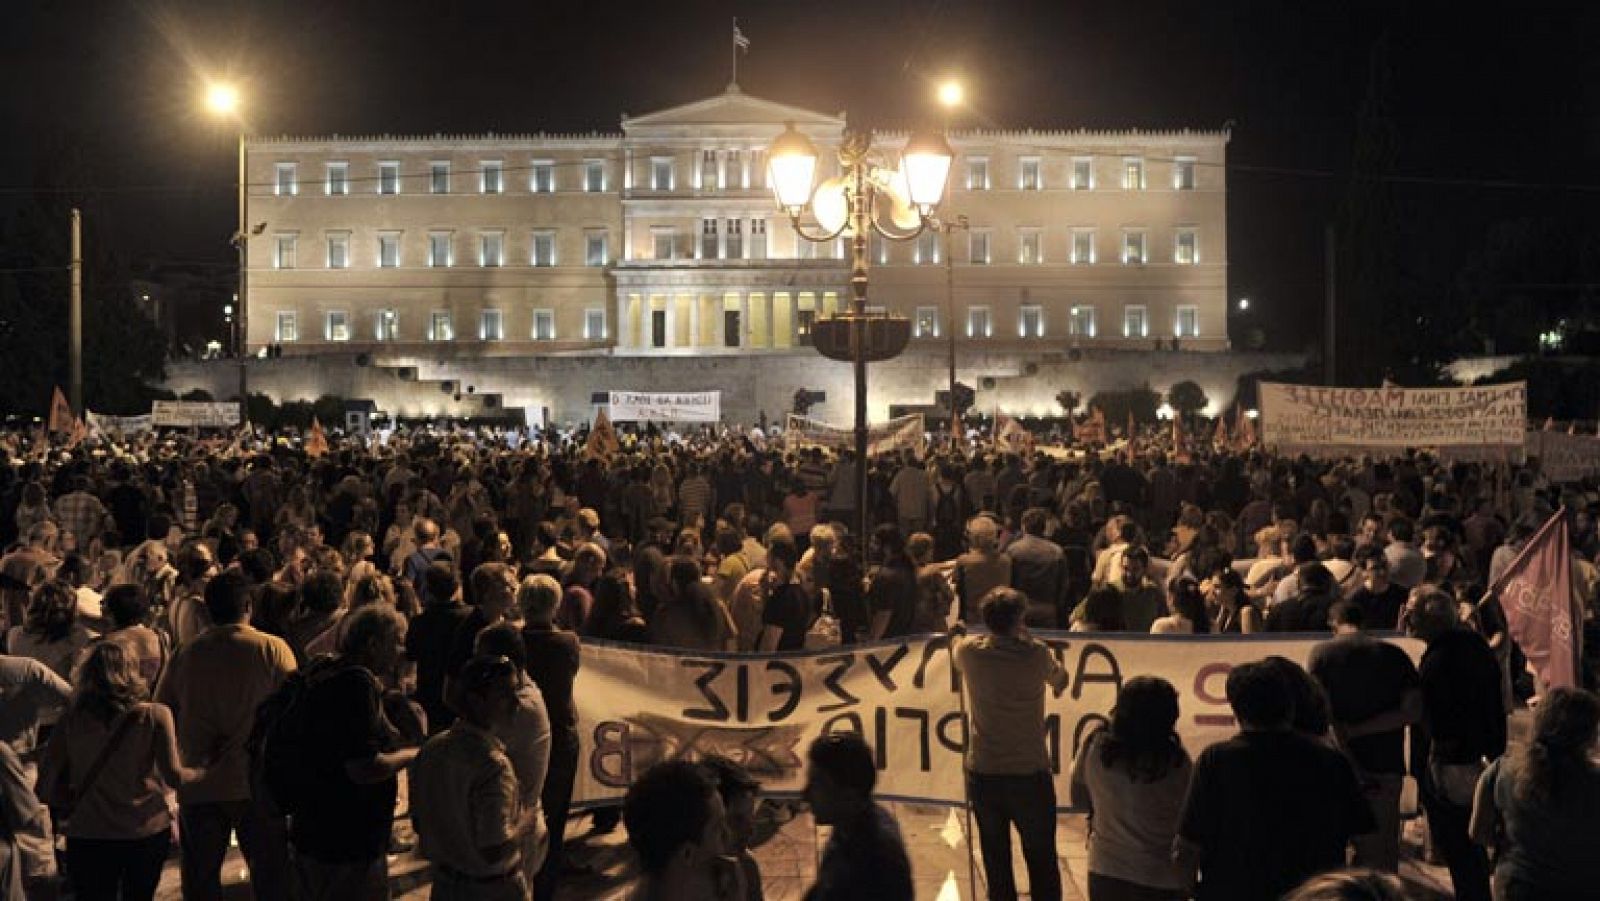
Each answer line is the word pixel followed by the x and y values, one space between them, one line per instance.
pixel 439 177
pixel 1030 321
pixel 492 249
pixel 978 325
pixel 491 176
pixel 1030 249
pixel 491 326
pixel 544 248
pixel 1082 173
pixel 287 184
pixel 594 324
pixel 978 248
pixel 758 169
pixel 758 239
pixel 1133 249
pixel 338 179
pixel 1081 323
pixel 288 328
pixel 1133 174
pixel 1082 247
pixel 543 178
pixel 805 321
pixel 708 170
pixel 708 239
pixel 594 176
pixel 1183 173
pixel 1185 250
pixel 977 173
pixel 1186 324
pixel 1030 175
pixel 389 177
pixel 544 325
pixel 389 250
pixel 927 322
pixel 338 326
pixel 734 230
pixel 284 251
pixel 440 328
pixel 732 171
pixel 439 251
pixel 927 252
pixel 338 250
pixel 665 242
pixel 661 173
pixel 1135 322
pixel 387 326
pixel 594 248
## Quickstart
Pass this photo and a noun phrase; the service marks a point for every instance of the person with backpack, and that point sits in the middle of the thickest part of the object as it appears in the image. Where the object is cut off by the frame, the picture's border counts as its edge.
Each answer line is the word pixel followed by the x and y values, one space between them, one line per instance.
pixel 213 686
pixel 425 532
pixel 329 758
pixel 105 775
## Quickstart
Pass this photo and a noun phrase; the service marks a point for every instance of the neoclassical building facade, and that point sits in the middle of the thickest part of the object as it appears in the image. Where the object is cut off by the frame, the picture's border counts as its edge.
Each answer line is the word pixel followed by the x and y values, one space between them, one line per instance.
pixel 663 240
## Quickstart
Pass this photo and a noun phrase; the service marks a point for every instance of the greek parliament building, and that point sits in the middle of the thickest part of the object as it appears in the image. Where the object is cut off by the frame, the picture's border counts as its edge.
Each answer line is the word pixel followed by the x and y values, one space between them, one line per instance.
pixel 534 270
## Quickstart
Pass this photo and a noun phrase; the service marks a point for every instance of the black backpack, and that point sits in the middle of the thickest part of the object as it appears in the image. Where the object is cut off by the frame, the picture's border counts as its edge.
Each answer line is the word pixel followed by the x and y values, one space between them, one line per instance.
pixel 280 745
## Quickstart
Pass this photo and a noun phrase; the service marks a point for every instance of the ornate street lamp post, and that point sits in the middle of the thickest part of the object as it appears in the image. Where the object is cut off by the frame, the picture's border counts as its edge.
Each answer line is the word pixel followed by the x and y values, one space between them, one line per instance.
pixel 850 205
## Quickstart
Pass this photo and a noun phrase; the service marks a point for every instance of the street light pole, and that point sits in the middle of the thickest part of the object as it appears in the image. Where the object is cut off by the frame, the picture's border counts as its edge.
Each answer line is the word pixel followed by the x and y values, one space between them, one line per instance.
pixel 948 226
pixel 244 274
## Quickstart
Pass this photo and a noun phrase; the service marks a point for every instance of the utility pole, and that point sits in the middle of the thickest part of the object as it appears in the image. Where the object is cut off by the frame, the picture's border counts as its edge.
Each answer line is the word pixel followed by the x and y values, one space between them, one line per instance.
pixel 75 317
pixel 244 289
pixel 1330 307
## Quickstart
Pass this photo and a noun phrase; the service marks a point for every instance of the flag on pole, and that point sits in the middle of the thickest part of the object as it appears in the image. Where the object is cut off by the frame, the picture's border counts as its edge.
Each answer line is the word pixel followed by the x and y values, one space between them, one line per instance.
pixel 1247 433
pixel 1572 427
pixel 1549 421
pixel 60 413
pixel 1536 594
pixel 316 441
pixel 79 432
pixel 1010 437
pixel 602 441
pixel 739 40
pixel 1220 438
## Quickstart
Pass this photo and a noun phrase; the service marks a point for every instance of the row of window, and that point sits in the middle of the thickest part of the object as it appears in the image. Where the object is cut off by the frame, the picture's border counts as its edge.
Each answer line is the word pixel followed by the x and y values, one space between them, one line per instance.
pixel 726 239
pixel 1080 174
pixel 337 325
pixel 1081 321
pixel 440 249
pixel 491 177
pixel 725 170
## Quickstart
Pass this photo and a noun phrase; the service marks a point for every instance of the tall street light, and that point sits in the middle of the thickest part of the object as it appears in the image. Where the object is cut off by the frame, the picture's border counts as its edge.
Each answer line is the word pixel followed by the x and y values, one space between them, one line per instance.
pixel 222 100
pixel 850 204
pixel 951 96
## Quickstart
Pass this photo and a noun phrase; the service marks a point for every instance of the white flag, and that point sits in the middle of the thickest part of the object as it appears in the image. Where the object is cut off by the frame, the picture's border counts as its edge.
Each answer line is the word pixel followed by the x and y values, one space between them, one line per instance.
pixel 739 40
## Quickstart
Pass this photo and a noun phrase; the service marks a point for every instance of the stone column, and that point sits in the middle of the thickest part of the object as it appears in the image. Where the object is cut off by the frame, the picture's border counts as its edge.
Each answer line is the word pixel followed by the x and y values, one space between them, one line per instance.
pixel 771 300
pixel 794 317
pixel 624 333
pixel 744 320
pixel 694 319
pixel 672 319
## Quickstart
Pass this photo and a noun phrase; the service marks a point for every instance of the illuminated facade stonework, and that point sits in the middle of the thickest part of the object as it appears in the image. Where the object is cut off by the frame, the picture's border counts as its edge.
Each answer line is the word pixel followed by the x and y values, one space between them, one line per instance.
pixel 662 240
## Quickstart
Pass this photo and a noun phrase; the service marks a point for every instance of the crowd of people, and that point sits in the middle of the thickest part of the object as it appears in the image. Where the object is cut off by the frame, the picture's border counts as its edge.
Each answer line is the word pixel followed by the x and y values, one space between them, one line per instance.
pixel 248 642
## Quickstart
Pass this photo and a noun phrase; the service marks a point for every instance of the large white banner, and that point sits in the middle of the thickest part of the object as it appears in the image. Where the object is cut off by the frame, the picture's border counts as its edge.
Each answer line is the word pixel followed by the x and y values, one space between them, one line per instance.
pixel 193 413
pixel 902 433
pixel 102 423
pixel 639 406
pixel 639 706
pixel 1483 420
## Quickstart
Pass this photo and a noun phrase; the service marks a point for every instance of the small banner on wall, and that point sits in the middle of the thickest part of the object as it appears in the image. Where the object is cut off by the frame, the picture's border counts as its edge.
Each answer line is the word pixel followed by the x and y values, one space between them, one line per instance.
pixel 639 706
pixel 638 406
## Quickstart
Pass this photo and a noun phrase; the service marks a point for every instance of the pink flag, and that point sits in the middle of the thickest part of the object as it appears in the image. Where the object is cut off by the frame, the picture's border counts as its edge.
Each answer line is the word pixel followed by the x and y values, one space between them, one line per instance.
pixel 1536 594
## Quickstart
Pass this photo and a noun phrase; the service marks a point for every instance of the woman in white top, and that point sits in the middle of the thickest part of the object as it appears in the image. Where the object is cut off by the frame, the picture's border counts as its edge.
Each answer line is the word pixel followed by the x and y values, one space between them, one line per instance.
pixel 1187 611
pixel 51 633
pixel 1132 777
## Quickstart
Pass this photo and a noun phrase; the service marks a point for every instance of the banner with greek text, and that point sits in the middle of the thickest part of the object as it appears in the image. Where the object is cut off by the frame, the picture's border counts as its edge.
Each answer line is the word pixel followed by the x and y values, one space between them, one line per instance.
pixel 1485 421
pixel 101 423
pixel 1563 457
pixel 902 433
pixel 194 414
pixel 639 406
pixel 639 706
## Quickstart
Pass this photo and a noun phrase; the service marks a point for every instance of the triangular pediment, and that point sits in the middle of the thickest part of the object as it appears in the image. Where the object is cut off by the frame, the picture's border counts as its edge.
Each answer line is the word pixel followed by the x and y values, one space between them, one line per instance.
pixel 733 107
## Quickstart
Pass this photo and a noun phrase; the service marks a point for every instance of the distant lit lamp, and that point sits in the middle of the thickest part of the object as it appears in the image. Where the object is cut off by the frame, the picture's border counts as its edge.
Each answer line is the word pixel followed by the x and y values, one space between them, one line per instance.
pixel 951 93
pixel 850 205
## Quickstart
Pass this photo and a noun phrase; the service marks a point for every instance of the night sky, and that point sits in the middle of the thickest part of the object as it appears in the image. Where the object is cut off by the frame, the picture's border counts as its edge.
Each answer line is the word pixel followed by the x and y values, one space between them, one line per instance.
pixel 1479 93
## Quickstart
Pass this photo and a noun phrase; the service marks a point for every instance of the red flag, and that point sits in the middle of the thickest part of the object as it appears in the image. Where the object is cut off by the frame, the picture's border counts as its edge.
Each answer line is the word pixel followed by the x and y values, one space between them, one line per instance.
pixel 1247 433
pixel 60 413
pixel 1130 425
pixel 317 440
pixel 1536 594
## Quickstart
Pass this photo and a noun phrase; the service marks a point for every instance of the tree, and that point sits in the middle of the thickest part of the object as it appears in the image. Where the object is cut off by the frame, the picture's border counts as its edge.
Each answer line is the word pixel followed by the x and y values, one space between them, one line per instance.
pixel 198 394
pixel 1187 398
pixel 1069 400
pixel 1142 402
